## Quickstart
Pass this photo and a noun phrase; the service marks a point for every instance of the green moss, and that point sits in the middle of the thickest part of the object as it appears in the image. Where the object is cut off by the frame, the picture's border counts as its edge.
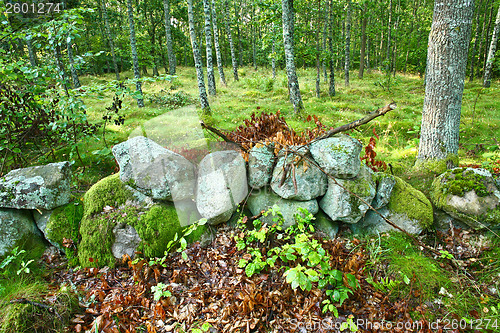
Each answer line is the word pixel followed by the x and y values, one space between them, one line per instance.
pixel 64 222
pixel 460 181
pixel 109 191
pixel 409 201
pixel 437 166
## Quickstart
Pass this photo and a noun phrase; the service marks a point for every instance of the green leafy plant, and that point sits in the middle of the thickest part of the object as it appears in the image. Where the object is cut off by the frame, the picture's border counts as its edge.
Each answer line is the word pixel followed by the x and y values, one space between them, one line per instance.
pixel 159 291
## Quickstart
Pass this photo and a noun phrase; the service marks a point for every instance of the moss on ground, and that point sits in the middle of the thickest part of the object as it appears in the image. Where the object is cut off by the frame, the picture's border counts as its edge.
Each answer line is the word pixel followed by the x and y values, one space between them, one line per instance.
pixel 437 166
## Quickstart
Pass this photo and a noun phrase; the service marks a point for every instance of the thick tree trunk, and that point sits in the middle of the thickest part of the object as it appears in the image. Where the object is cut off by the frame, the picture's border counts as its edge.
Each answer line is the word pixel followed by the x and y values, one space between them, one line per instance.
pixel 135 58
pixel 110 38
pixel 230 38
pixel 363 43
pixel 168 34
pixel 445 75
pixel 31 52
pixel 293 82
pixel 208 44
pixel 331 88
pixel 491 53
pixel 197 61
pixel 217 45
pixel 347 61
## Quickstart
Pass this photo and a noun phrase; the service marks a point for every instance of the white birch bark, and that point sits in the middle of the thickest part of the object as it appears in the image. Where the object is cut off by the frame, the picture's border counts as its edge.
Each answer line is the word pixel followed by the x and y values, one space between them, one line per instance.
pixel 218 53
pixel 208 44
pixel 491 53
pixel 168 33
pixel 231 43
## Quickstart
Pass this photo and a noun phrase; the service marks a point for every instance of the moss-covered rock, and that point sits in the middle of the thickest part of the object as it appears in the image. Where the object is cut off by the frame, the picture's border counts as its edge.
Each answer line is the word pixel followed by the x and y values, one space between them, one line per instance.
pixel 110 203
pixel 469 195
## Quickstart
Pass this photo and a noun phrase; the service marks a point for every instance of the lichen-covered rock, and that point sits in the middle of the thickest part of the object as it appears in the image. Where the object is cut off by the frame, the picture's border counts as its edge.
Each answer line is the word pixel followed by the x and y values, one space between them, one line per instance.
pixel 265 199
pixel 260 166
pixel 155 171
pixel 326 225
pixel 126 240
pixel 303 182
pixel 469 195
pixel 408 208
pixel 109 203
pixel 385 185
pixel 39 187
pixel 340 205
pixel 18 229
pixel 338 156
pixel 443 221
pixel 60 223
pixel 222 185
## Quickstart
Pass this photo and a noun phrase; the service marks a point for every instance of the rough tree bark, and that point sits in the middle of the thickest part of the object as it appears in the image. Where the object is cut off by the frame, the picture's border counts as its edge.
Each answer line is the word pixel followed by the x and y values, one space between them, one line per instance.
pixel 347 62
pixel 218 53
pixel 168 34
pixel 234 61
pixel 135 58
pixel 491 53
pixel 110 38
pixel 445 75
pixel 208 44
pixel 197 61
pixel 293 82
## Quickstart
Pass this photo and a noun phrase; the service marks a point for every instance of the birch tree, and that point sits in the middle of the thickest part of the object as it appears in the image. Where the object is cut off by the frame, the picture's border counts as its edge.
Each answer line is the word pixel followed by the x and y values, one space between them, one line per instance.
pixel 331 89
pixel 197 60
pixel 208 46
pixel 347 42
pixel 110 38
pixel 445 75
pixel 230 39
pixel 293 82
pixel 135 58
pixel 168 35
pixel 218 53
pixel 491 53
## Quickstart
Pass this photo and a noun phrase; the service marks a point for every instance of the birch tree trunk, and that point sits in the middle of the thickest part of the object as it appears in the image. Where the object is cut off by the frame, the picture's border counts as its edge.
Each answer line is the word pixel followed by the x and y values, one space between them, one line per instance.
pixel 445 75
pixel 363 44
pixel 331 89
pixel 217 45
pixel 486 49
pixel 208 44
pixel 110 38
pixel 474 47
pixel 293 82
pixel 483 30
pixel 230 38
pixel 135 58
pixel 347 62
pixel 72 69
pixel 168 34
pixel 31 52
pixel 197 61
pixel 491 53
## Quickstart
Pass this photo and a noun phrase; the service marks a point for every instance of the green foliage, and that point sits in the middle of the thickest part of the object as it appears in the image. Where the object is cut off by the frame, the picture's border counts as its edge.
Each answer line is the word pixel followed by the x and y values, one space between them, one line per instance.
pixel 159 291
pixel 170 100
pixel 305 262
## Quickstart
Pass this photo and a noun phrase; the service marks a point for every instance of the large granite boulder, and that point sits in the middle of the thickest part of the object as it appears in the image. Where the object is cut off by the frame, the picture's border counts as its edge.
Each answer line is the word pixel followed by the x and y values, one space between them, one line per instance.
pixel 408 208
pixel 468 195
pixel 18 229
pixel 38 187
pixel 118 220
pixel 155 171
pixel 338 156
pixel 340 205
pixel 260 165
pixel 222 185
pixel 265 199
pixel 303 180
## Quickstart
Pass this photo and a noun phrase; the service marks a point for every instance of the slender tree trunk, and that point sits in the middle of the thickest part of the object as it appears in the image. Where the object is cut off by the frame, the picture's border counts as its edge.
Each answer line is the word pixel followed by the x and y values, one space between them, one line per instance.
pixel 168 34
pixel 389 33
pixel 331 88
pixel 318 51
pixel 485 56
pixel 474 47
pixel 483 30
pixel 217 45
pixel 31 52
pixel 252 31
pixel 74 74
pixel 62 72
pixel 273 50
pixel 323 47
pixel 445 75
pixel 197 61
pixel 110 38
pixel 293 82
pixel 231 44
pixel 491 53
pixel 135 58
pixel 363 43
pixel 208 41
pixel 347 42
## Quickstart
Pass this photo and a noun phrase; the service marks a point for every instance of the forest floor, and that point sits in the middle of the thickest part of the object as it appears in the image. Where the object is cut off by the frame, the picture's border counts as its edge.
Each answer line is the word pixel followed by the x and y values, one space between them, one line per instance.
pixel 402 288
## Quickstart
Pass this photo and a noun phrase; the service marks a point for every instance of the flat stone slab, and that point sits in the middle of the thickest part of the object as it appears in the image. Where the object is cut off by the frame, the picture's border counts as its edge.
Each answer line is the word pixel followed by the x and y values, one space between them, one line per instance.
pixel 39 187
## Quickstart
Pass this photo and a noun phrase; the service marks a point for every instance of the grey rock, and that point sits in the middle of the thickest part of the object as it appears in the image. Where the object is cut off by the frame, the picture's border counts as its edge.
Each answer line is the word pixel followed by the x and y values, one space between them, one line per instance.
pixel 222 185
pixel 342 206
pixel 260 166
pixel 325 225
pixel 42 218
pixel 17 229
pixel 155 171
pixel 310 182
pixel 384 190
pixel 442 221
pixel 38 187
pixel 479 204
pixel 373 223
pixel 338 156
pixel 265 199
pixel 126 240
